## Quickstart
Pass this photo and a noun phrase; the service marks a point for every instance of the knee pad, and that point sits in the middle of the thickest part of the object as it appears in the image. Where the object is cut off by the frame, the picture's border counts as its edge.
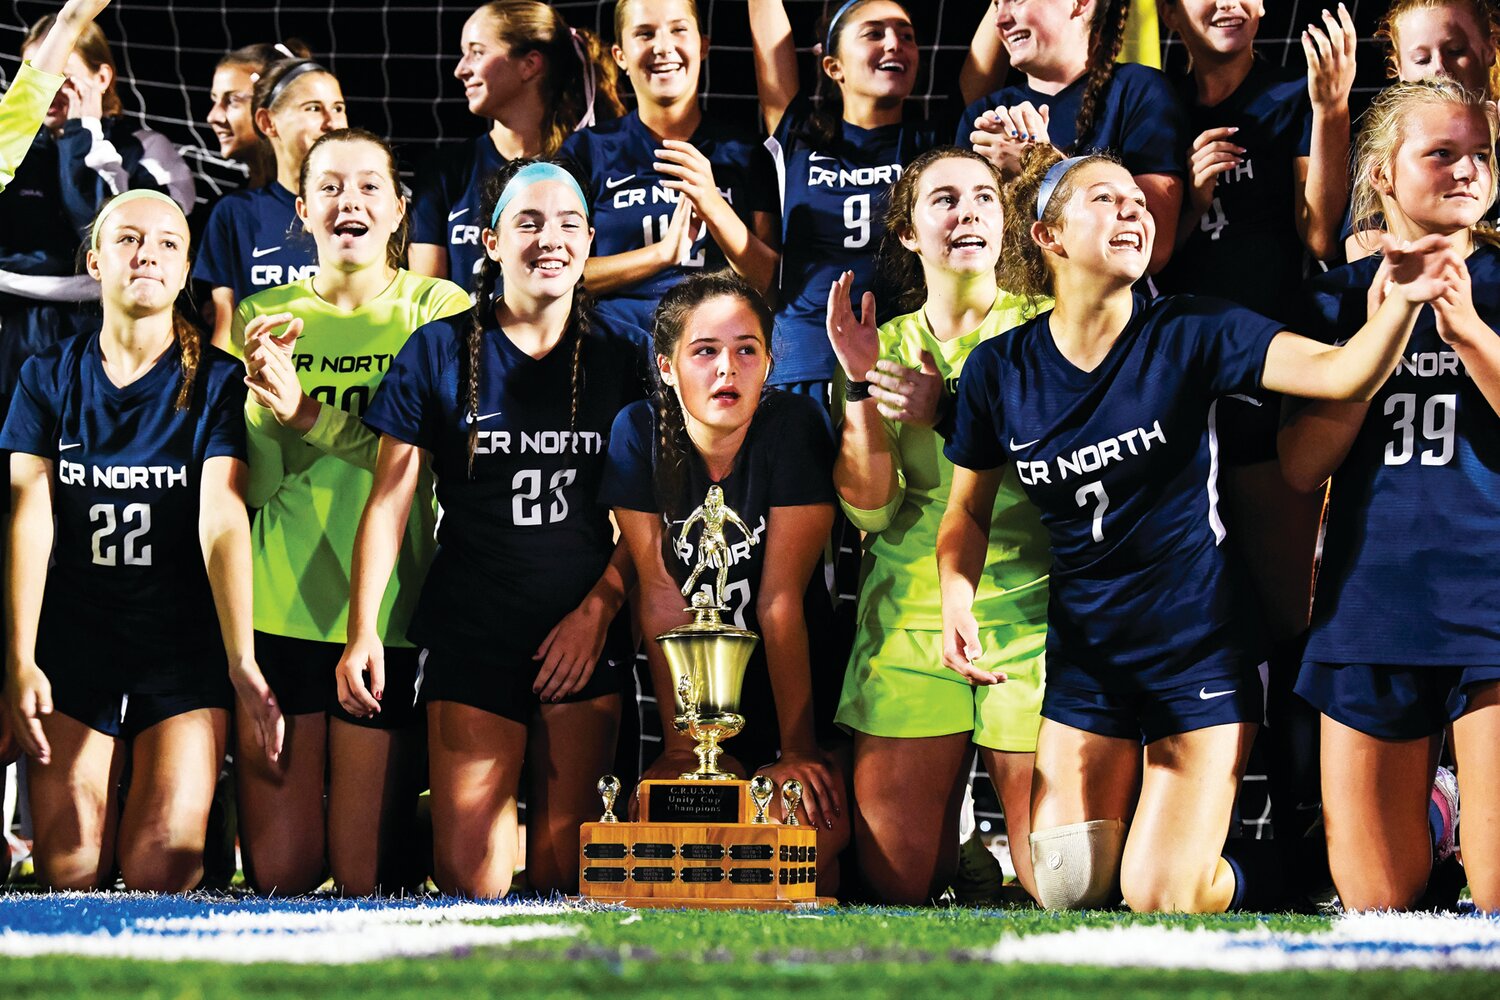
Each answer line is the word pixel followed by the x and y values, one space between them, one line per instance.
pixel 1077 867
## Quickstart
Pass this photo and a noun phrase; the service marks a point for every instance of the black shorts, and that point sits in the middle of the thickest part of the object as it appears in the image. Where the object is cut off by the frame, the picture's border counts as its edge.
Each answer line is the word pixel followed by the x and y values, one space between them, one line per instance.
pixel 301 674
pixel 503 687
pixel 116 713
pixel 1147 715
pixel 1391 702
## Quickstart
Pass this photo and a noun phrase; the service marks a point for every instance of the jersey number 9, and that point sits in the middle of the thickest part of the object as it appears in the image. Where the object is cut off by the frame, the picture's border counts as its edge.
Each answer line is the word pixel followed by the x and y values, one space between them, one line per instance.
pixel 857 221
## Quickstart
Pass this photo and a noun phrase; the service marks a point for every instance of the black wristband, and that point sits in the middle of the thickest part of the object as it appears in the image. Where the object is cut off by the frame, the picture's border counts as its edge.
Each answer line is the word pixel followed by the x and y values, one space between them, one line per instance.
pixel 856 391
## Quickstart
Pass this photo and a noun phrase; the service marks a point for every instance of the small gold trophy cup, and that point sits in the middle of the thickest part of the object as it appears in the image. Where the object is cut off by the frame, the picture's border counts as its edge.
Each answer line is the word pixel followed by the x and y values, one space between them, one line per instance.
pixel 704 839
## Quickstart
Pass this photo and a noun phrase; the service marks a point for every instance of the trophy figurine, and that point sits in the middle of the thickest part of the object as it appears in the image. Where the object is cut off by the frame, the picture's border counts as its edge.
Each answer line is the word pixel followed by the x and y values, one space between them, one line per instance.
pixel 704 839
pixel 708 658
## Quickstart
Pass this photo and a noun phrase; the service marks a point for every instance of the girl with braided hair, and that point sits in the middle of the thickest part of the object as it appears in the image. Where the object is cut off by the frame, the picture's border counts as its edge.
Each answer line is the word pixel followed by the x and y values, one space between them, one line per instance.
pixel 311 468
pixel 524 648
pixel 128 605
pixel 533 80
pixel 1077 98
pixel 708 424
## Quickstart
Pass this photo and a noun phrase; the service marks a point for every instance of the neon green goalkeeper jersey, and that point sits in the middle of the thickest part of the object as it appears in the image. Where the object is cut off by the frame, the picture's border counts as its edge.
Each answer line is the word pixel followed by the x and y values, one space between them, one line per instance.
pixel 311 489
pixel 899 576
pixel 21 113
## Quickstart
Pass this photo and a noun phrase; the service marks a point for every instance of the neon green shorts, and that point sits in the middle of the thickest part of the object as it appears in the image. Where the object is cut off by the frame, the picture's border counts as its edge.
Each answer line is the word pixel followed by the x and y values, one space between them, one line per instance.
pixel 897 686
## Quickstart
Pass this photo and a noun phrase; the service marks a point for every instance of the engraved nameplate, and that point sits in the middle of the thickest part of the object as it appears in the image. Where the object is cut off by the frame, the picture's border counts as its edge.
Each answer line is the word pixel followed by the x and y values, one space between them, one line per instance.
pixel 694 802
pixel 750 852
pixel 604 851
pixel 653 873
pixel 655 852
pixel 711 873
pixel 594 873
pixel 702 852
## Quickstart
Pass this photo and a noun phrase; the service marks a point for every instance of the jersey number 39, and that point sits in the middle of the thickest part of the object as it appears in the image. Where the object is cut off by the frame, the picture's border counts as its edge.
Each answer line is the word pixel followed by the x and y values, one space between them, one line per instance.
pixel 1438 426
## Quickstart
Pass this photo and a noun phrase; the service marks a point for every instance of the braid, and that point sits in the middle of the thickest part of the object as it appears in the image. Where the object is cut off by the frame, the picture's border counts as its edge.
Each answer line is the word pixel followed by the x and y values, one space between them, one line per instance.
pixel 190 345
pixel 672 446
pixel 578 325
pixel 1106 39
pixel 484 294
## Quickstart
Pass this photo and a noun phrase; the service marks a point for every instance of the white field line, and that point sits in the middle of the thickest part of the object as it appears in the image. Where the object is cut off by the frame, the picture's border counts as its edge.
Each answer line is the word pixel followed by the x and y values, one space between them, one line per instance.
pixel 1363 941
pixel 333 936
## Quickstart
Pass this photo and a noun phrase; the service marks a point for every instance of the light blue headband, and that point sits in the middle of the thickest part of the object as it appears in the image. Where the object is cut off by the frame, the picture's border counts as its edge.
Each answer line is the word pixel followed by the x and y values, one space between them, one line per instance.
pixel 834 24
pixel 531 174
pixel 1051 180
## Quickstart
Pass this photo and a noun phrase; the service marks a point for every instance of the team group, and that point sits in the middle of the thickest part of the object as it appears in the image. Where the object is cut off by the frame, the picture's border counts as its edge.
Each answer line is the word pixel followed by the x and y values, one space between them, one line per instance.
pixel 1051 344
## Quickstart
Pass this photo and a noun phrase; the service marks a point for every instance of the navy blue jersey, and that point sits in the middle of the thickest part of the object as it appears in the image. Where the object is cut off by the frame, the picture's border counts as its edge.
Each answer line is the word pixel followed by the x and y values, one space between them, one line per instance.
pixel 1246 248
pixel 447 204
pixel 127 600
pixel 1122 464
pixel 833 204
pixel 1408 573
pixel 632 210
pixel 254 240
pixel 1141 120
pixel 786 460
pixel 522 542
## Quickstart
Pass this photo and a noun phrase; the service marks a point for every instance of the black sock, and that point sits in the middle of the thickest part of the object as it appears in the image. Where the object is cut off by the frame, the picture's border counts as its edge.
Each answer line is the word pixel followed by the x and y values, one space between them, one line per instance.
pixel 1260 874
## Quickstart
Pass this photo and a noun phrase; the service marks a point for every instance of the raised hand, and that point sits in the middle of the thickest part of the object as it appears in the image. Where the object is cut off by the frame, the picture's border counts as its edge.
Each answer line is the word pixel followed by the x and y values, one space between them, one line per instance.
pixel 1212 156
pixel 1421 270
pixel 271 374
pixel 693 175
pixel 853 338
pixel 1457 320
pixel 1330 60
pixel 1001 135
pixel 907 395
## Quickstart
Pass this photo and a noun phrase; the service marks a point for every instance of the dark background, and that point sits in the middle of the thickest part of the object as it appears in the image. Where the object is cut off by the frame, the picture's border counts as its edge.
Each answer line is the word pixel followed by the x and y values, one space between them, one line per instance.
pixel 395 60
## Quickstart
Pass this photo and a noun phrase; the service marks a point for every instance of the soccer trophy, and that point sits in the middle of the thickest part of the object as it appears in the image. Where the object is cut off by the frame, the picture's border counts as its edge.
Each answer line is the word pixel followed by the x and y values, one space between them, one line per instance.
pixel 703 840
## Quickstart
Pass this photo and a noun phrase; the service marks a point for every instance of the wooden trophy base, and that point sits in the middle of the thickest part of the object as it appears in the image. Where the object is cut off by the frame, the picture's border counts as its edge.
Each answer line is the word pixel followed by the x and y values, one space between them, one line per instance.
pixel 718 861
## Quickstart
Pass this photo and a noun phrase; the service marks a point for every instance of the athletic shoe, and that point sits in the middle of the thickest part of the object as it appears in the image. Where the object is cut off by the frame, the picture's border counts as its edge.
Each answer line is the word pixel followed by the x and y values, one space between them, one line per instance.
pixel 1445 805
pixel 979 879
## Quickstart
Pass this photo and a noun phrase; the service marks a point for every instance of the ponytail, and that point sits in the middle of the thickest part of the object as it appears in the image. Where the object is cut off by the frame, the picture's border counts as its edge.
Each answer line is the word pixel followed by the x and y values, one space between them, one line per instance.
pixel 1106 39
pixel 190 348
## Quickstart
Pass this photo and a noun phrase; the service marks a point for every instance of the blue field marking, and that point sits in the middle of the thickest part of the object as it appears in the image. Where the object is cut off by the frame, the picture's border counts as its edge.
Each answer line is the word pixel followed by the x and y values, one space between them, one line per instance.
pixel 1353 942
pixel 255 929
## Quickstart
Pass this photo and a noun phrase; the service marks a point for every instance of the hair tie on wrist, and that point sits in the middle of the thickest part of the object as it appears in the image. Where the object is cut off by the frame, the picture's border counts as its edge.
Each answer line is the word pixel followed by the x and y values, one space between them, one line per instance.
pixel 854 392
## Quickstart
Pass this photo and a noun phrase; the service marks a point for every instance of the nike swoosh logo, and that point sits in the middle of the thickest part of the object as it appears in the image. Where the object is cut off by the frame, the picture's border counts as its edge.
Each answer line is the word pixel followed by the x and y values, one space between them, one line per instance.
pixel 66 447
pixel 1021 447
pixel 454 215
pixel 483 417
pixel 1205 696
pixel 258 252
pixel 819 157
pixel 613 182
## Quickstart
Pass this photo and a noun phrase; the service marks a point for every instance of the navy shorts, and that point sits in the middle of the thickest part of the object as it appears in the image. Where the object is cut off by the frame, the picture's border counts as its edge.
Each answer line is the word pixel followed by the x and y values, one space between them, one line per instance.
pixel 301 675
pixel 1148 716
pixel 115 713
pixel 1391 702
pixel 504 688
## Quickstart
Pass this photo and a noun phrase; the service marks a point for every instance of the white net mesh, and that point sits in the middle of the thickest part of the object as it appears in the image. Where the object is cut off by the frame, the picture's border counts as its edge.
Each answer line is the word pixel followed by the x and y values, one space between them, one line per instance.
pixel 395 60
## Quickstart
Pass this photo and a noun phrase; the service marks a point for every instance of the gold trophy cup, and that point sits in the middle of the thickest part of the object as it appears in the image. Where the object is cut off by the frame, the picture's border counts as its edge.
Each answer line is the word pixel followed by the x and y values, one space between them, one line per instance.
pixel 703 840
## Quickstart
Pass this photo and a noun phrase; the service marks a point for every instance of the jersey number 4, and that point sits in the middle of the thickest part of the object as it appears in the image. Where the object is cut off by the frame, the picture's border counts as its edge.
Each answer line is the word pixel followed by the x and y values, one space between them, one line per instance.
pixel 134 521
pixel 1438 425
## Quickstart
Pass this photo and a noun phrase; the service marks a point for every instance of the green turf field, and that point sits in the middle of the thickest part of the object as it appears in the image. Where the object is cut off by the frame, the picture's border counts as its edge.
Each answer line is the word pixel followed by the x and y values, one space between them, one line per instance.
pixel 844 954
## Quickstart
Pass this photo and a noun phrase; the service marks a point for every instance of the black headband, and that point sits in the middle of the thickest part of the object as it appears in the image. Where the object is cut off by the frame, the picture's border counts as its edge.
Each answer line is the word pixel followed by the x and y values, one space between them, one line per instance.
pixel 300 70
